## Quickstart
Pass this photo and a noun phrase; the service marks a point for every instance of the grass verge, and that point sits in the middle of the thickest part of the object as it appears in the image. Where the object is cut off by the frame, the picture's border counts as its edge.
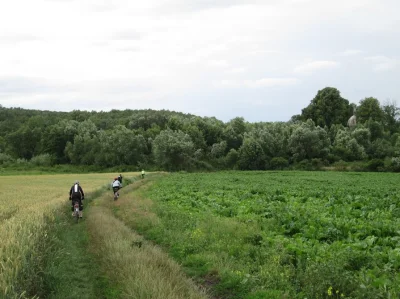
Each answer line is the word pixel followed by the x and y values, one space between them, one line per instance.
pixel 140 268
pixel 71 270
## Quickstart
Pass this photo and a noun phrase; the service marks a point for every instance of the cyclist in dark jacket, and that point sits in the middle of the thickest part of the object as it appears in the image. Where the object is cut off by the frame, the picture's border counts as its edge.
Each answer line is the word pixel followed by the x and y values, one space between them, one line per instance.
pixel 76 194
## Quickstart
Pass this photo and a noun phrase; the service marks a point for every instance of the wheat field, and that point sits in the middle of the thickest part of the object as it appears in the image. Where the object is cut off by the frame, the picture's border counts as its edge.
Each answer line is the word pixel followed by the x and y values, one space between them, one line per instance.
pixel 28 207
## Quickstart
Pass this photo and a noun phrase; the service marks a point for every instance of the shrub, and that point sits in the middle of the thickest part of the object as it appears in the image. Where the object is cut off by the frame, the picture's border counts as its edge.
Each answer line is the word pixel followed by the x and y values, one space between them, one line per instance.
pixel 395 164
pixel 375 165
pixel 5 159
pixel 42 160
pixel 279 163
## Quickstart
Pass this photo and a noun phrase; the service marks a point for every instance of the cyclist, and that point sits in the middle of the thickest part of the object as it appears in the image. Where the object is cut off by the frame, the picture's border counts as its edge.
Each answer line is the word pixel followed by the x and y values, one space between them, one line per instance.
pixel 142 173
pixel 76 194
pixel 120 178
pixel 116 185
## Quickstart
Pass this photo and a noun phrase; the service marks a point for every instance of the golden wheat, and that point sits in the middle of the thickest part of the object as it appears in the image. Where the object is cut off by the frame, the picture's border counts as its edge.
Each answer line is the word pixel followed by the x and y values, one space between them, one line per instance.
pixel 28 205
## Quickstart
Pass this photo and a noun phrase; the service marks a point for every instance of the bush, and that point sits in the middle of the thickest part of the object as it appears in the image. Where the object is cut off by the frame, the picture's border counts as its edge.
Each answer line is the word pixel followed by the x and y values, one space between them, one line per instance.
pixel 395 164
pixel 317 163
pixel 5 159
pixel 376 165
pixel 279 163
pixel 303 165
pixel 42 160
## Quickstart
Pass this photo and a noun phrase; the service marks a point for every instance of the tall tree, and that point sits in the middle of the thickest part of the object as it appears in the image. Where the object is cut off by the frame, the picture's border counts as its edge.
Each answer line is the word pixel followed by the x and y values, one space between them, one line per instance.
pixel 173 149
pixel 309 141
pixel 369 108
pixel 391 115
pixel 251 155
pixel 327 108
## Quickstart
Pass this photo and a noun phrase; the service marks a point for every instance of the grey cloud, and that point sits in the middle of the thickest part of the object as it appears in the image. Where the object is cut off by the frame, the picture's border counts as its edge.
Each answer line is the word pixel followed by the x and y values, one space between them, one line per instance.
pixel 26 85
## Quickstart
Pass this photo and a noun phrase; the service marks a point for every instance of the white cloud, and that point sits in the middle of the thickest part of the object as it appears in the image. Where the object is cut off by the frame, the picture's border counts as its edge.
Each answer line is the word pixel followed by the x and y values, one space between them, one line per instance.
pixel 383 63
pixel 259 83
pixel 350 52
pixel 315 66
pixel 218 63
pixel 271 82
pixel 160 49
pixel 237 70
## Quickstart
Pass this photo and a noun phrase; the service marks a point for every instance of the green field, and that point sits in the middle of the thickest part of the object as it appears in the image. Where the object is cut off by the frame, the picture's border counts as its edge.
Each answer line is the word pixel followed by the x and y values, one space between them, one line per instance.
pixel 234 235
pixel 281 234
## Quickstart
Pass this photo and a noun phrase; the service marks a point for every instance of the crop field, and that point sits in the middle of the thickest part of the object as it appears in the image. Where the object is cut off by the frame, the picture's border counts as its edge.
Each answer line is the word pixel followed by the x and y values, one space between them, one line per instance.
pixel 235 234
pixel 280 234
pixel 29 205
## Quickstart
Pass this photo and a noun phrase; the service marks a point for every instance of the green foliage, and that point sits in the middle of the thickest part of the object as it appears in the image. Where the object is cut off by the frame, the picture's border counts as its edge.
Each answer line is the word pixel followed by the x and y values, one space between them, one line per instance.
pixel 369 109
pixel 347 147
pixel 42 160
pixel 327 108
pixel 251 155
pixel 288 234
pixel 391 115
pixel 5 159
pixel 278 163
pixel 395 164
pixel 173 150
pixel 232 159
pixel 375 165
pixel 116 138
pixel 308 141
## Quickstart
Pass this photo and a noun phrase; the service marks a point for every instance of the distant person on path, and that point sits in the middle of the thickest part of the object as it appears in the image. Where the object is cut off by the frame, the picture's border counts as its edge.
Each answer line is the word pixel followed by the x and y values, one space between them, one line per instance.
pixel 142 173
pixel 120 178
pixel 76 194
pixel 116 185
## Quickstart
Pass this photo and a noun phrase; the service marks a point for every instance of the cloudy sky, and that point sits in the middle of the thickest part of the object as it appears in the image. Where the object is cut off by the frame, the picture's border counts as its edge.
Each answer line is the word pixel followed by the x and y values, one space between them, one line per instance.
pixel 263 60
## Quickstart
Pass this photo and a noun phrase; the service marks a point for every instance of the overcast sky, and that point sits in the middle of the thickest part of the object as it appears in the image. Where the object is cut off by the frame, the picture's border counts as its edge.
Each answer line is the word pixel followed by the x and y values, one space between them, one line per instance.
pixel 263 60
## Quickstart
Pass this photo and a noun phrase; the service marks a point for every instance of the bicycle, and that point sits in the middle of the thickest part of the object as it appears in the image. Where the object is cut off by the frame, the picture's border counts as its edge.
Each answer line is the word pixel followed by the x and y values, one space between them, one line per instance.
pixel 116 193
pixel 76 210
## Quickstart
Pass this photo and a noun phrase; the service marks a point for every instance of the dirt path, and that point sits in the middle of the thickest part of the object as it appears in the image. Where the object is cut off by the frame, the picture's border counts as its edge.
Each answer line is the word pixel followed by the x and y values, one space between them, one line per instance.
pixel 101 257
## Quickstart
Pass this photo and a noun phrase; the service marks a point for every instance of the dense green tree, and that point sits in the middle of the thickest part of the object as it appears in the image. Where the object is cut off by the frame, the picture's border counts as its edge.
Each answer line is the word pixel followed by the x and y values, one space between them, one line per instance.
pixel 56 137
pixel 375 128
pixel 84 149
pixel 218 149
pixel 121 146
pixel 251 155
pixel 327 108
pixel 173 150
pixel 380 148
pixel 369 109
pixel 347 147
pixel 308 141
pixel 210 127
pixel 232 158
pixel 363 137
pixel 25 142
pixel 273 138
pixel 234 131
pixel 391 115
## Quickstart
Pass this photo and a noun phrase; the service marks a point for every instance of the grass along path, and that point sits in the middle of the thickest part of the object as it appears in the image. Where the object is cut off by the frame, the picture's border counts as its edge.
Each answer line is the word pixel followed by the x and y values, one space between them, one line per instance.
pixel 141 269
pixel 71 270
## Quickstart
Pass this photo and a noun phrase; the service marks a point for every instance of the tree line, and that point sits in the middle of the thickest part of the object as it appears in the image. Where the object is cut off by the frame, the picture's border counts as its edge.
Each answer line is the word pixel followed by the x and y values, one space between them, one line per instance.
pixel 318 137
